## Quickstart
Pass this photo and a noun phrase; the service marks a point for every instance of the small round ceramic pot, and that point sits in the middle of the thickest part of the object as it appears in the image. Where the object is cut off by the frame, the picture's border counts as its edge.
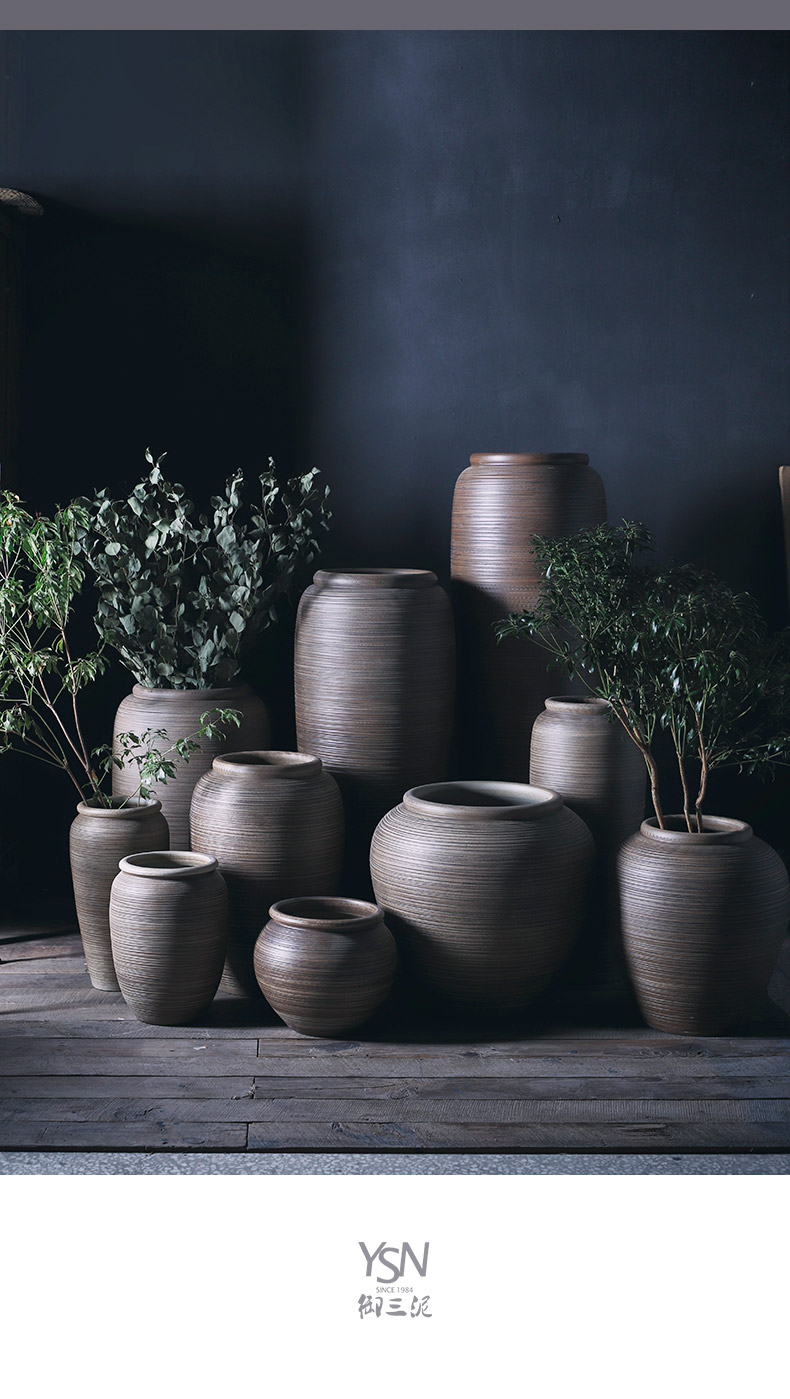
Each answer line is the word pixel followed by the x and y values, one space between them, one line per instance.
pixel 325 964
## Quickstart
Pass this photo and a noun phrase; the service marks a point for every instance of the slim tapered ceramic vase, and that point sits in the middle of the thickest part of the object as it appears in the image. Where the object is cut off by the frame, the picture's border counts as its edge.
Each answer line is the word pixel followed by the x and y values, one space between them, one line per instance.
pixel 500 501
pixel 483 885
pixel 703 919
pixel 169 928
pixel 581 751
pixel 100 836
pixel 274 821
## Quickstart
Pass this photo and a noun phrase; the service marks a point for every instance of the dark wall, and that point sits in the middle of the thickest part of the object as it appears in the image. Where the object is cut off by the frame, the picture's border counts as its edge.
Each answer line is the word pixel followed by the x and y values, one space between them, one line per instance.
pixel 379 252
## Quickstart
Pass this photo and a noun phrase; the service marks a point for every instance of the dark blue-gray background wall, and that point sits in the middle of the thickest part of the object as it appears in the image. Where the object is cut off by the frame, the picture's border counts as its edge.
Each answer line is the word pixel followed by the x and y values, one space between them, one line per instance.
pixel 379 252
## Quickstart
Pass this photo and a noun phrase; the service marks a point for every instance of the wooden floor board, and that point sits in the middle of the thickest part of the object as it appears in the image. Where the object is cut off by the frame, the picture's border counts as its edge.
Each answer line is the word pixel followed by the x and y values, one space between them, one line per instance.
pixel 79 1072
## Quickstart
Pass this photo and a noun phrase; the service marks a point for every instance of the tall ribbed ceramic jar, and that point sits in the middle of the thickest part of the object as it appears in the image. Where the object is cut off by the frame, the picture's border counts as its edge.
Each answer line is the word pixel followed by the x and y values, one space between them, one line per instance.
pixel 169 927
pixel 178 713
pixel 374 682
pixel 500 501
pixel 274 821
pixel 580 751
pixel 703 920
pixel 100 836
pixel 483 885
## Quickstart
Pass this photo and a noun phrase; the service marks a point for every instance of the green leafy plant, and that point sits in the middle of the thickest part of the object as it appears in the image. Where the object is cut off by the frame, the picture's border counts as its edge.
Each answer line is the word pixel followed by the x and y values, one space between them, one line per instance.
pixel 154 762
pixel 181 592
pixel 42 572
pixel 670 648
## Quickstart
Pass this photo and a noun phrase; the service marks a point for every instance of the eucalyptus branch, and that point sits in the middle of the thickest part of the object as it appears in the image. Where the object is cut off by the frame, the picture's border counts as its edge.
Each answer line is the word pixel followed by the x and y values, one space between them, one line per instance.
pixel 181 593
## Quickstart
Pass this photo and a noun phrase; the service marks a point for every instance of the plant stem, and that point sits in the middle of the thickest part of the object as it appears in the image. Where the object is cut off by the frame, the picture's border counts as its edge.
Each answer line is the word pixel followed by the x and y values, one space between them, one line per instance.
pixel 686 793
pixel 703 780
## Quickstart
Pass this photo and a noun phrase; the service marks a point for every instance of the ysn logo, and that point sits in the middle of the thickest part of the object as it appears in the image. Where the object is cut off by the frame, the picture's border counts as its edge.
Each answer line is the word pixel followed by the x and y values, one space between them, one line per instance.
pixel 397 1268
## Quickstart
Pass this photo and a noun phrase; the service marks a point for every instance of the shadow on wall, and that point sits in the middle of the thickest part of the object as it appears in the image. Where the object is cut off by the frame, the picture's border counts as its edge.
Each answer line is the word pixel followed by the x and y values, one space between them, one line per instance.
pixel 737 532
pixel 182 338
pixel 169 334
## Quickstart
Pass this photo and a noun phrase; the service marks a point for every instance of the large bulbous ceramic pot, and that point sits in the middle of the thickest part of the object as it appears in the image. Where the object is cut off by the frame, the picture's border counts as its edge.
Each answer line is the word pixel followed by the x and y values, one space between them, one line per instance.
pixel 274 821
pixel 500 501
pixel 581 751
pixel 100 836
pixel 325 965
pixel 703 918
pixel 169 928
pixel 178 713
pixel 374 682
pixel 483 885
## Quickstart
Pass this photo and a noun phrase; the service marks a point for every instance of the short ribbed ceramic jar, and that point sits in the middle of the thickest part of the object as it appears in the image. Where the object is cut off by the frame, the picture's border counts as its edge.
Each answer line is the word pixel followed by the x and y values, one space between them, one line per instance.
pixel 374 676
pixel 703 918
pixel 178 713
pixel 274 821
pixel 483 885
pixel 169 927
pixel 100 836
pixel 579 750
pixel 325 965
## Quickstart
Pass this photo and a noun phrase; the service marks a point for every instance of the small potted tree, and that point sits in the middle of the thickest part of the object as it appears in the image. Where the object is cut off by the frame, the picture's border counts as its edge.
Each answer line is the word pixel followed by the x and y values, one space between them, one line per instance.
pixel 181 594
pixel 704 903
pixel 42 570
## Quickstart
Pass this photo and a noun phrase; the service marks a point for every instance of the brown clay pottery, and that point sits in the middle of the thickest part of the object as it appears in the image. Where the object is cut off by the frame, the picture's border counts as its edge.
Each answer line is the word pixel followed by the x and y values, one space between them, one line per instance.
pixel 703 918
pixel 100 836
pixel 178 713
pixel 274 821
pixel 500 501
pixel 581 751
pixel 325 965
pixel 374 681
pixel 483 885
pixel 169 927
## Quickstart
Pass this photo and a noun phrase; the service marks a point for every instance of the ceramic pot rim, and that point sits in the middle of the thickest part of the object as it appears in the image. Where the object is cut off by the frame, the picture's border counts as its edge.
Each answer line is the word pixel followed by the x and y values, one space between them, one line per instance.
pixel 218 693
pixel 121 807
pixel 717 830
pixel 267 764
pixel 376 577
pixel 529 459
pixel 577 704
pixel 169 864
pixel 350 915
pixel 527 801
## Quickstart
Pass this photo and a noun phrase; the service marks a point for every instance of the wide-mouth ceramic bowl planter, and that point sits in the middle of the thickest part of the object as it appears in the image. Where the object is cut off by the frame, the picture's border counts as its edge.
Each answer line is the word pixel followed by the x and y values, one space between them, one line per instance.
pixel 325 964
pixel 169 927
pixel 274 820
pixel 484 886
pixel 100 836
pixel 703 918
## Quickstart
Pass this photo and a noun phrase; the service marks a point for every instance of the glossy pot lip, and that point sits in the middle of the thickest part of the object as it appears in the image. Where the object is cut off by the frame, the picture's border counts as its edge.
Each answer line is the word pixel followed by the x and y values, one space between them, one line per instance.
pixel 122 807
pixel 528 801
pixel 376 577
pixel 168 864
pixel 267 764
pixel 529 459
pixel 577 705
pixel 342 915
pixel 717 830
pixel 220 692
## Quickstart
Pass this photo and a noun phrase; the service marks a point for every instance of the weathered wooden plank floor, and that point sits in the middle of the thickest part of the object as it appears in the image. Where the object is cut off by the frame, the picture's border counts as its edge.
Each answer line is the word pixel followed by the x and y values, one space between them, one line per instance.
pixel 78 1072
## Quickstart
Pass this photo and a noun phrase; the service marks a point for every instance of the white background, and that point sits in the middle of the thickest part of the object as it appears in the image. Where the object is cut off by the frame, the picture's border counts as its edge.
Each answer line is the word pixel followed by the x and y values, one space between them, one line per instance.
pixel 547 1286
